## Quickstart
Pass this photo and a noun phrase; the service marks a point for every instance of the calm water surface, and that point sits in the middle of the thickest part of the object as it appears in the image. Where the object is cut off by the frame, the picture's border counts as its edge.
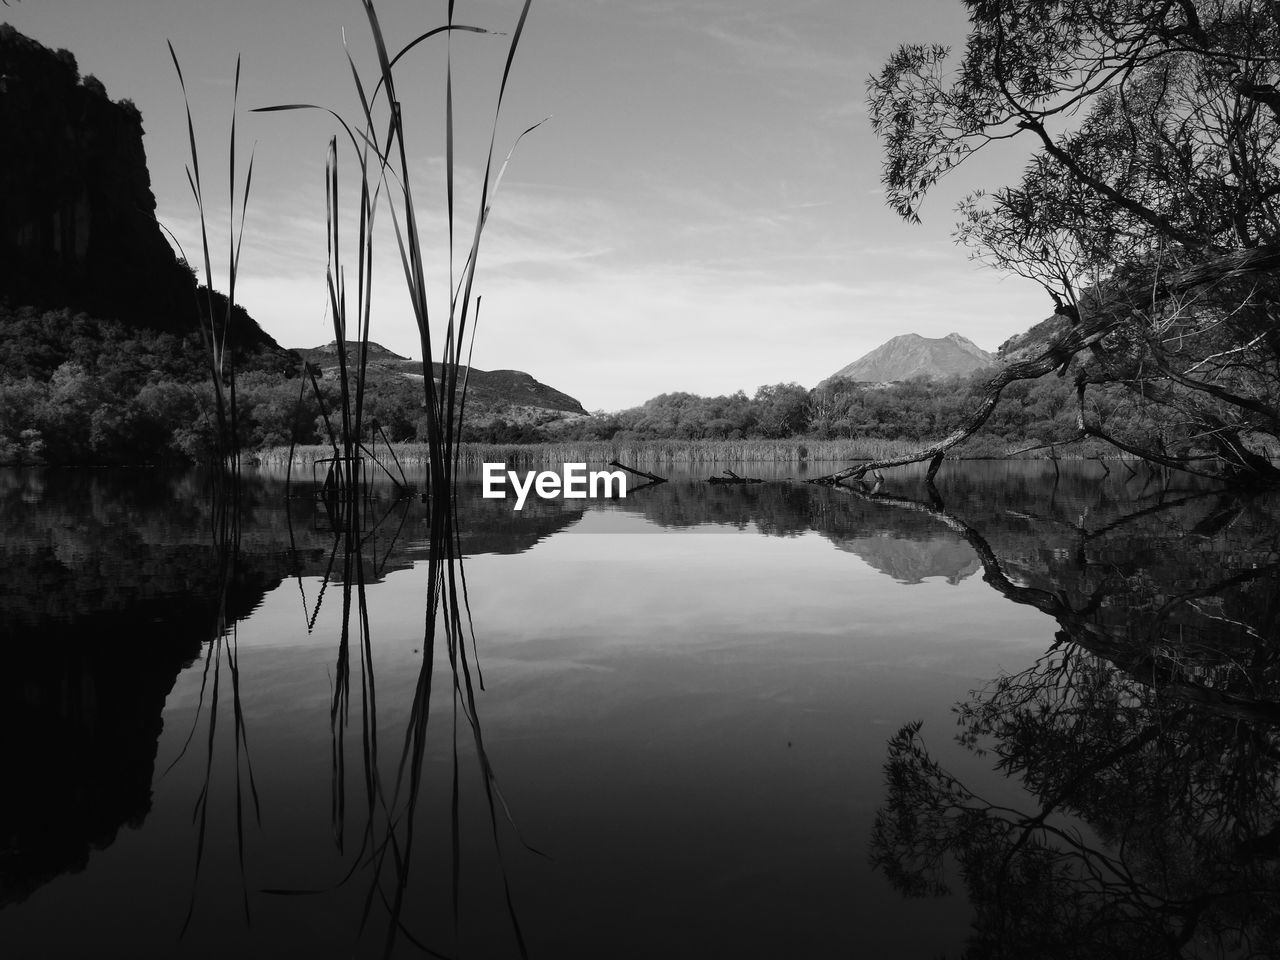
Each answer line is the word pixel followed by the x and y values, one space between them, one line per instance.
pixel 1026 713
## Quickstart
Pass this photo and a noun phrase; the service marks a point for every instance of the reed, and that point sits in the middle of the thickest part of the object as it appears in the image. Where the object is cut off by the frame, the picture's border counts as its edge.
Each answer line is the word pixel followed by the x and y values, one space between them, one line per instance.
pixel 214 325
pixel 215 329
pixel 391 798
pixel 377 141
pixel 638 451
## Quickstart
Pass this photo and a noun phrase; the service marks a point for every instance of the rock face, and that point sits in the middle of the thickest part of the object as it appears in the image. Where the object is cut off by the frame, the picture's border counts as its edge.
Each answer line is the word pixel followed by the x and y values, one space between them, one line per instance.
pixel 77 216
pixel 912 355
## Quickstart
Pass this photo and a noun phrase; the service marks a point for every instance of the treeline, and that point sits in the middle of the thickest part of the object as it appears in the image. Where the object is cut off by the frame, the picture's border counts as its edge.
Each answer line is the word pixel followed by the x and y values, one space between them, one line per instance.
pixel 1030 413
pixel 79 390
pixel 76 389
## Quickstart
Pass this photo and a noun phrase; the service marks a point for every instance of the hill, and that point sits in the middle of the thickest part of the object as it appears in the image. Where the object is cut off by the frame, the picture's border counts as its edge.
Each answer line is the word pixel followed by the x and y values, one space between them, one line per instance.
pixel 911 355
pixel 507 394
pixel 77 215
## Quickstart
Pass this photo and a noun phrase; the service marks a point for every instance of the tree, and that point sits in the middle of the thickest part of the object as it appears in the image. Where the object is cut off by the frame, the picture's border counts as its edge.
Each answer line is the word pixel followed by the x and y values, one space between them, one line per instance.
pixel 783 410
pixel 1153 223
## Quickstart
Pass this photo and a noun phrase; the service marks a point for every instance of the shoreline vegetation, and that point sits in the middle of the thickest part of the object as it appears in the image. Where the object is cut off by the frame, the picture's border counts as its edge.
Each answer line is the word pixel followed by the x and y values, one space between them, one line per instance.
pixel 676 451
pixel 78 390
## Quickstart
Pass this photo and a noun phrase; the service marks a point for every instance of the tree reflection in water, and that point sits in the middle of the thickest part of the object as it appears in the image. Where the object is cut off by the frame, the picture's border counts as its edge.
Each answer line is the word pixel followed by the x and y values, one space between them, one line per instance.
pixel 1148 736
pixel 1144 736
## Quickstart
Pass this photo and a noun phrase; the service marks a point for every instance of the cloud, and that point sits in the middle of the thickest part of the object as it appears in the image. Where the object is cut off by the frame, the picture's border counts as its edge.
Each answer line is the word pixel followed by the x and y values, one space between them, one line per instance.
pixel 628 334
pixel 615 299
pixel 777 48
pixel 842 111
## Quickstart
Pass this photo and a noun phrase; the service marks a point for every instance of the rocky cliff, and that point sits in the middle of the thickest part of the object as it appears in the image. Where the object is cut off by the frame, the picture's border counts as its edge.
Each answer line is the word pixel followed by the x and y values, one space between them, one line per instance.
pixel 77 216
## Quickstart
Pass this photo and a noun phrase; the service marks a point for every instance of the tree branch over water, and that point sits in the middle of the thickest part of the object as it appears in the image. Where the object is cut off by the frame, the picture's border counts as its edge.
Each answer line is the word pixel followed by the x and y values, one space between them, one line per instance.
pixel 1151 222
pixel 1112 311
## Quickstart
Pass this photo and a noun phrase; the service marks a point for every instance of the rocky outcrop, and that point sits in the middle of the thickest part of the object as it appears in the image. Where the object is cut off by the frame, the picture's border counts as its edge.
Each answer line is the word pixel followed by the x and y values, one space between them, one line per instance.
pixel 77 215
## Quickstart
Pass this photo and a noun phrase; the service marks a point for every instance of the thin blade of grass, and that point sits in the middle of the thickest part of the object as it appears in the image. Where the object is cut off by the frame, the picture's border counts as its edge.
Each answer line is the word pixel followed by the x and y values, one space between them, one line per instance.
pixel 244 205
pixel 231 189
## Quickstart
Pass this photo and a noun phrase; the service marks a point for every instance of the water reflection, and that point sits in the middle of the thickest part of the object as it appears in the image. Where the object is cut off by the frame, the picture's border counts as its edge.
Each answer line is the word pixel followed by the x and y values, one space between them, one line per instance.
pixel 106 600
pixel 689 726
pixel 1146 740
pixel 377 836
pixel 113 589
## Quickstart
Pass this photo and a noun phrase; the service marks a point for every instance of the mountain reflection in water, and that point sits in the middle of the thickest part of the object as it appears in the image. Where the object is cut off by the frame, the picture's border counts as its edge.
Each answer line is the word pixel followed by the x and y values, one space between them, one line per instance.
pixel 682 735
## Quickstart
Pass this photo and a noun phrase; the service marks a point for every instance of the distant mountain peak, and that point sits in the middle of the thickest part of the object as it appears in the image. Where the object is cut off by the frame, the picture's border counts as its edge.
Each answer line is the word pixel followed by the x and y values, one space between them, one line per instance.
pixel 911 355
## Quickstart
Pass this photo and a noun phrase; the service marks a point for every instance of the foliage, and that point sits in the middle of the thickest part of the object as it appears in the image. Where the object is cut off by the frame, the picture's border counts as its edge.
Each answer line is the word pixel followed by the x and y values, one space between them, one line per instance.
pixel 1039 412
pixel 1171 174
pixel 76 389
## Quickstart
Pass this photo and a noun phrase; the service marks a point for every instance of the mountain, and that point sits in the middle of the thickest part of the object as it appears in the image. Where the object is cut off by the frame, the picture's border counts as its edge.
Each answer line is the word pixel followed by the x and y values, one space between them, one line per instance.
pixel 77 215
pixel 507 394
pixel 912 355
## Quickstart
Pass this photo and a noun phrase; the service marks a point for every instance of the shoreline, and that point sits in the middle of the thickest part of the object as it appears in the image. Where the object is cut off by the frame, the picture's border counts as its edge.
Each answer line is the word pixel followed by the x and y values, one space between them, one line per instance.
pixel 667 451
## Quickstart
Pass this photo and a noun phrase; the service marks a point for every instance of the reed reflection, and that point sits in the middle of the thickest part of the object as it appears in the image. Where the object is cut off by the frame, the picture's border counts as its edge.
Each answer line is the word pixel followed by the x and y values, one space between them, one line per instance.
pixel 113 588
pixel 223 645
pixel 378 835
pixel 1147 739
pixel 383 817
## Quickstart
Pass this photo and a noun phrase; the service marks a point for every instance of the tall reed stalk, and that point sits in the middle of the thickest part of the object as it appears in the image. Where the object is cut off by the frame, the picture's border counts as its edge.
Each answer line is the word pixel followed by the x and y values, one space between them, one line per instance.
pixel 385 176
pixel 378 143
pixel 219 353
pixel 214 331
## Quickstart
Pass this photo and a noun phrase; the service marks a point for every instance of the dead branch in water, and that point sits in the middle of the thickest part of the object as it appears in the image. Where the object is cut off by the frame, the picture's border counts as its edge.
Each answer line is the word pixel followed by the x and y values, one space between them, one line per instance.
pixel 731 477
pixel 651 477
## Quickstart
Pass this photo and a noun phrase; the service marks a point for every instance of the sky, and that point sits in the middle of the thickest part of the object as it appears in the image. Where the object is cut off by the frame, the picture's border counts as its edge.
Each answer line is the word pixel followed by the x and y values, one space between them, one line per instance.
pixel 702 211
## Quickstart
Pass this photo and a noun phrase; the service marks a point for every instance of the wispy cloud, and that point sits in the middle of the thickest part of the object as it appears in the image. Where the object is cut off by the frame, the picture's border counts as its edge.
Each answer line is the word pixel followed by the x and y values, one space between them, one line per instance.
pixel 777 48
pixel 841 111
pixel 710 182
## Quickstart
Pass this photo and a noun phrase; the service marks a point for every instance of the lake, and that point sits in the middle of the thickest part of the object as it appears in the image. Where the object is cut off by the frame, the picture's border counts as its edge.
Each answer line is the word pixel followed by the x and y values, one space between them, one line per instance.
pixel 1031 711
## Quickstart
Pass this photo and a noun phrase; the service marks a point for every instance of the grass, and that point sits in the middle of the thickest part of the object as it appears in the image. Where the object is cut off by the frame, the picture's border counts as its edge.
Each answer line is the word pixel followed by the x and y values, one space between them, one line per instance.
pixel 669 451
pixel 214 332
pixel 378 142
pixel 383 178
